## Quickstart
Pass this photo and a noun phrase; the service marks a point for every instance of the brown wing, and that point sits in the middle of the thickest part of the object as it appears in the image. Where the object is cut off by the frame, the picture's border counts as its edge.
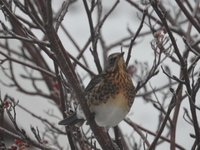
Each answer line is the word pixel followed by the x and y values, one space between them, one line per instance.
pixel 96 80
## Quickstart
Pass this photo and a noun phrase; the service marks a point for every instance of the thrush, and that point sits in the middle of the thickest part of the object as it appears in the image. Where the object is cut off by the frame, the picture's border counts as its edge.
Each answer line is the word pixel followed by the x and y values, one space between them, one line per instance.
pixel 109 95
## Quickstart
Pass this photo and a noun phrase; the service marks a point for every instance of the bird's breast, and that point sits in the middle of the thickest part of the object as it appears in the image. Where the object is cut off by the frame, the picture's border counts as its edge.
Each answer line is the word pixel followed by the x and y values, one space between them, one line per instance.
pixel 112 112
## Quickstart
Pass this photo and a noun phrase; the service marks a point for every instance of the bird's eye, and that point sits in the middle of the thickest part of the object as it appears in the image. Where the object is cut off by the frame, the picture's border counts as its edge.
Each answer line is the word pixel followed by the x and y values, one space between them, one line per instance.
pixel 112 60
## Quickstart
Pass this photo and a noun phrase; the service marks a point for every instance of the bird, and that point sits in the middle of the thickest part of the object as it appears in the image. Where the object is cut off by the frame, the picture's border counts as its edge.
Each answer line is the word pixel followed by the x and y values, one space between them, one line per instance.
pixel 109 95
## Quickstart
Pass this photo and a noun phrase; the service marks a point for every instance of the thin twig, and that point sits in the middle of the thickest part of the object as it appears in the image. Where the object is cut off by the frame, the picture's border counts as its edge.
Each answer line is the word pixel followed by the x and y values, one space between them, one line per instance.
pixel 135 36
pixel 31 142
pixel 28 65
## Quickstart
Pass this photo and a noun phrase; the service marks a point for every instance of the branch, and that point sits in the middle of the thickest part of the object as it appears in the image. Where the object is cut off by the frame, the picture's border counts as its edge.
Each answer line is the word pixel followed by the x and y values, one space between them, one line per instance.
pixel 135 36
pixel 28 65
pixel 29 141
pixel 136 127
pixel 182 63
pixel 188 15
pixel 94 37
pixel 64 64
pixel 172 77
pixel 171 106
pixel 30 39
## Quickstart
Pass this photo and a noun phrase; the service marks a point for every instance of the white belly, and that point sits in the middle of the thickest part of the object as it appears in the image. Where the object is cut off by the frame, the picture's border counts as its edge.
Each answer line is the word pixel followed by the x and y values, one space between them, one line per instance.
pixel 109 115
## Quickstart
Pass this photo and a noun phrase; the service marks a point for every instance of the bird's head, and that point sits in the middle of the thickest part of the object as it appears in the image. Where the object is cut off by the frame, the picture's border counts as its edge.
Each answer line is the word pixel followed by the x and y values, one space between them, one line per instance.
pixel 115 62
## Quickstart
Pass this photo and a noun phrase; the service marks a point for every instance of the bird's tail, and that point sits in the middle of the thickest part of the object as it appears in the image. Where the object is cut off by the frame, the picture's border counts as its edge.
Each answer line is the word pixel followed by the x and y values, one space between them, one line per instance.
pixel 72 120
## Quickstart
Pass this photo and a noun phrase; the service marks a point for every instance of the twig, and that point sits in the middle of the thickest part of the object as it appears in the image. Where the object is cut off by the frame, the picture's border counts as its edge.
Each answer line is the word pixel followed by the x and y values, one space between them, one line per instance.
pixel 36 134
pixel 41 119
pixel 127 120
pixel 171 106
pixel 15 36
pixel 28 65
pixel 29 141
pixel 149 132
pixel 188 15
pixel 62 12
pixel 2 103
pixel 135 36
pixel 188 45
pixel 65 65
pixel 182 62
pixel 172 77
pixel 94 37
